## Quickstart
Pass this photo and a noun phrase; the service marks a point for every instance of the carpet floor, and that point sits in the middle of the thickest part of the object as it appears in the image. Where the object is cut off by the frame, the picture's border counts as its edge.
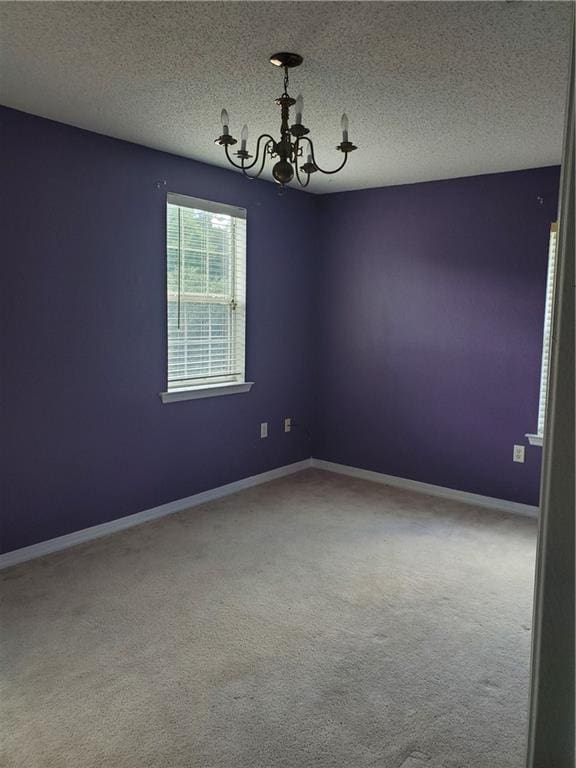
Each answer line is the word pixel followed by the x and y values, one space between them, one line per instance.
pixel 314 622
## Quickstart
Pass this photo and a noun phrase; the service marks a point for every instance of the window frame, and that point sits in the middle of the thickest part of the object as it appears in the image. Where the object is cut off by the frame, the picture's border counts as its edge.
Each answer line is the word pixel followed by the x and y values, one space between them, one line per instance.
pixel 537 438
pixel 231 383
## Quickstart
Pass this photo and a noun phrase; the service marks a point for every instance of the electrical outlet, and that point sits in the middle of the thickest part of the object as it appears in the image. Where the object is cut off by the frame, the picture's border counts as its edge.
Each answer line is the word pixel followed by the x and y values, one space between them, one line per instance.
pixel 264 429
pixel 288 425
pixel 519 453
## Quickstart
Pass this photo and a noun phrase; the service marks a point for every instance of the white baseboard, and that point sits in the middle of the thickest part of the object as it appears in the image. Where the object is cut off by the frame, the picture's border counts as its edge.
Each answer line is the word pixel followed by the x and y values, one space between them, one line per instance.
pixel 17 556
pixel 97 531
pixel 432 490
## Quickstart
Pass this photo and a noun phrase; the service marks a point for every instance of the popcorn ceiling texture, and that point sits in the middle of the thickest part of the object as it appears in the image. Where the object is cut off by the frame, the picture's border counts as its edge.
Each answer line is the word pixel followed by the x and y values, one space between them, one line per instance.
pixel 433 90
pixel 313 622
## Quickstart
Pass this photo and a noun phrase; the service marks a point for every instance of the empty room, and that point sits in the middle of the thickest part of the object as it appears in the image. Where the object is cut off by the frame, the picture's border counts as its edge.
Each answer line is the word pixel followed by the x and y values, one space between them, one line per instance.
pixel 287 384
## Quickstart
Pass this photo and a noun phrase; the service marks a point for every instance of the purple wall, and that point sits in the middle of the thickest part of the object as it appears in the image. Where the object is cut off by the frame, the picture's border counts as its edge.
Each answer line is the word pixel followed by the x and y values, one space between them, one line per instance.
pixel 86 437
pixel 406 336
pixel 431 329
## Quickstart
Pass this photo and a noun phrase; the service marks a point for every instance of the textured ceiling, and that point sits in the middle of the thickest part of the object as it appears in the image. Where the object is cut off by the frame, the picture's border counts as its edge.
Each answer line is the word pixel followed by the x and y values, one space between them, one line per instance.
pixel 433 89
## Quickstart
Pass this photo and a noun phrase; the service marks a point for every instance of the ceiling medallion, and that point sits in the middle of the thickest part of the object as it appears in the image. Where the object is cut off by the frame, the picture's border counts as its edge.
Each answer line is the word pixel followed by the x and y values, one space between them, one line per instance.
pixel 293 144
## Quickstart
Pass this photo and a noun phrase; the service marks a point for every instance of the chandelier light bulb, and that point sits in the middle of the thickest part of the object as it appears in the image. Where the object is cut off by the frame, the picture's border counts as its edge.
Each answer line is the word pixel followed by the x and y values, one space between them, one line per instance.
pixel 299 108
pixel 344 126
pixel 244 137
pixel 225 121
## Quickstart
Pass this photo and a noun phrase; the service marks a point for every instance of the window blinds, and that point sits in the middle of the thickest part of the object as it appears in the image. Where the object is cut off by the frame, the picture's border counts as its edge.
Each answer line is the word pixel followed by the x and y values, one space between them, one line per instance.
pixel 547 339
pixel 206 292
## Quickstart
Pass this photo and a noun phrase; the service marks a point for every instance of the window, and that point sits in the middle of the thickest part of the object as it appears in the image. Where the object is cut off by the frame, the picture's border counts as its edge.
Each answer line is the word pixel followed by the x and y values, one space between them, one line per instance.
pixel 536 439
pixel 206 298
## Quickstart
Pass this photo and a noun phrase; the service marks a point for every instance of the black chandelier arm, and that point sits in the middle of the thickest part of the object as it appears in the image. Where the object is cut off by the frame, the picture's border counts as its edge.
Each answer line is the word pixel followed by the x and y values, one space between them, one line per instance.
pixel 302 183
pixel 244 167
pixel 322 170
pixel 262 164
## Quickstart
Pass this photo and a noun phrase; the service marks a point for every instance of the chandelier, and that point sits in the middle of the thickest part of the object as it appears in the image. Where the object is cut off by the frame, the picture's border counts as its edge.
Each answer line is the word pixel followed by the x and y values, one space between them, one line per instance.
pixel 293 145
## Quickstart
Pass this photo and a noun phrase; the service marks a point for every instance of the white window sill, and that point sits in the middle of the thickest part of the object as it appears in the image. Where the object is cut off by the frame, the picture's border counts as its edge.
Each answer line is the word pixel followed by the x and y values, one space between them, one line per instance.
pixel 535 439
pixel 210 390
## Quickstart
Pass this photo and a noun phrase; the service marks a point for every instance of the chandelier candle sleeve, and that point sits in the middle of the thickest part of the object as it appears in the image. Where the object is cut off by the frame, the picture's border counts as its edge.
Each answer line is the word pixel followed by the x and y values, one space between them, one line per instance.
pixel 344 126
pixel 293 143
pixel 299 108
pixel 225 122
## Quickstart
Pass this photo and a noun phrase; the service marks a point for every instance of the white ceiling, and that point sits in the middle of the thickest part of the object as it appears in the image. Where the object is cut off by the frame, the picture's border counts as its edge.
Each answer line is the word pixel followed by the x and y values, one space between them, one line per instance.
pixel 433 89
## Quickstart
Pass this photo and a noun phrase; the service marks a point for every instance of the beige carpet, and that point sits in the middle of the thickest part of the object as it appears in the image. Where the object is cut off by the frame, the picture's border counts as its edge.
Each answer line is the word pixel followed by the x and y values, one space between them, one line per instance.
pixel 314 622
